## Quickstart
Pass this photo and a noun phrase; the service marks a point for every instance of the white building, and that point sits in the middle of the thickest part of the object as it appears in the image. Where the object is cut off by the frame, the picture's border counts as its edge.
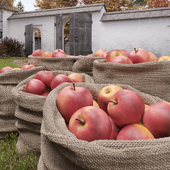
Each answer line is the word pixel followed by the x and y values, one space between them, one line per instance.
pixel 92 28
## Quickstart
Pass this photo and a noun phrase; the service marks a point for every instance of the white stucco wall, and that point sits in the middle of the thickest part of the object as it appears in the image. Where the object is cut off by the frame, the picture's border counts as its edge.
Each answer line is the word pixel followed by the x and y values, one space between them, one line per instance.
pixel 97 31
pixel 16 29
pixel 6 14
pixel 152 34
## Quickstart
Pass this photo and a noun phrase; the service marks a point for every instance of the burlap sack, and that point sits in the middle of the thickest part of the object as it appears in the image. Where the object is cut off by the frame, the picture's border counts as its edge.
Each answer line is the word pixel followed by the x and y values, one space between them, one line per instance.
pixel 29 114
pixel 8 80
pixel 61 150
pixel 62 63
pixel 84 64
pixel 151 77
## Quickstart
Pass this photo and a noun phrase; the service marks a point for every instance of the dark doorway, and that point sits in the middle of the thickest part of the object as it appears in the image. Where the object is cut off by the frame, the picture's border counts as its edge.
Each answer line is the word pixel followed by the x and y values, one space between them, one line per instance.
pixel 29 39
pixel 67 38
pixel 37 39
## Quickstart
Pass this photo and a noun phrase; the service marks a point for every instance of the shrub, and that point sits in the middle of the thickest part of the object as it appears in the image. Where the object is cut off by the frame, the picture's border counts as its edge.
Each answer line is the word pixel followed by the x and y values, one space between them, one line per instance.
pixel 12 47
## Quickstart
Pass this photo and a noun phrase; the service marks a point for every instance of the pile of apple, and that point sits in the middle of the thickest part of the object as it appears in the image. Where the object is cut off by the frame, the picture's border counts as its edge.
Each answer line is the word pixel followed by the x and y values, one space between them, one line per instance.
pixel 123 56
pixel 118 114
pixel 44 81
pixel 55 54
pixel 24 67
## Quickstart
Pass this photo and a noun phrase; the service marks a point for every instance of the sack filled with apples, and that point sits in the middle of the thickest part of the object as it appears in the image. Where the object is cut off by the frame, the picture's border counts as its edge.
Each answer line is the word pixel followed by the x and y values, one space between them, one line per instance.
pixel 9 78
pixel 137 69
pixel 79 133
pixel 30 95
pixel 84 64
pixel 56 60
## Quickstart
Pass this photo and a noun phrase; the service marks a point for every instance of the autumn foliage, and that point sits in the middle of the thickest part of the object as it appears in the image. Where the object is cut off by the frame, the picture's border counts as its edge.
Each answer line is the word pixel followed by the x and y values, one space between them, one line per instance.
pixel 158 3
pixel 49 4
pixel 111 5
pixel 8 4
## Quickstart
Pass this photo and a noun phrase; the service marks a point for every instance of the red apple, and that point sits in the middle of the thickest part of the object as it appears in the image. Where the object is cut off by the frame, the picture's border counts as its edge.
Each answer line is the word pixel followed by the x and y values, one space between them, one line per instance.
pixel 27 67
pixel 122 60
pixel 59 79
pixel 157 119
pixel 134 132
pixel 113 53
pixel 104 54
pixel 45 76
pixel 38 53
pixel 162 58
pixel 58 54
pixel 105 95
pixel 152 57
pixel 126 107
pixel 91 55
pixel 72 98
pixel 45 93
pixel 48 54
pixel 115 129
pixel 125 52
pixel 139 56
pixel 35 86
pixel 99 52
pixel 16 68
pixel 90 123
pixel 146 107
pixel 75 77
pixel 95 104
pixel 5 69
pixel 59 50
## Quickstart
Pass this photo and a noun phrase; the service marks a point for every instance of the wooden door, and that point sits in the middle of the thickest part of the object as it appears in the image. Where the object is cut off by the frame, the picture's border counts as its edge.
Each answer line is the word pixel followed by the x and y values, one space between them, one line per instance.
pixel 29 39
pixel 59 32
pixel 80 33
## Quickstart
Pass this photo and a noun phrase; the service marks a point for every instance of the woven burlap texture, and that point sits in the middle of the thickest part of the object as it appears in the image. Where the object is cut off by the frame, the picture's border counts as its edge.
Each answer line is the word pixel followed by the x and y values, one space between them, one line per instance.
pixel 61 150
pixel 29 114
pixel 8 80
pixel 61 63
pixel 84 64
pixel 151 77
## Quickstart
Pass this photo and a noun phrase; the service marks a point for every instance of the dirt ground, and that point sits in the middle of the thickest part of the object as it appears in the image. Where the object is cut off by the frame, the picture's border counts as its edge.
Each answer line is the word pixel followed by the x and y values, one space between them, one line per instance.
pixel 20 62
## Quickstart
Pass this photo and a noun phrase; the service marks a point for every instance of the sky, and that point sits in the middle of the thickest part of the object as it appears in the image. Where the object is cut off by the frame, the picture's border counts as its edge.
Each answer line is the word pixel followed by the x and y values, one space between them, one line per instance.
pixel 28 4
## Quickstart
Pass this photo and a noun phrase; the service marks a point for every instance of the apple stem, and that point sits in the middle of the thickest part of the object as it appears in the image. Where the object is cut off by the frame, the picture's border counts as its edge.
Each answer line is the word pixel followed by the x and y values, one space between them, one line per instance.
pixel 107 91
pixel 114 102
pixel 80 121
pixel 135 50
pixel 74 88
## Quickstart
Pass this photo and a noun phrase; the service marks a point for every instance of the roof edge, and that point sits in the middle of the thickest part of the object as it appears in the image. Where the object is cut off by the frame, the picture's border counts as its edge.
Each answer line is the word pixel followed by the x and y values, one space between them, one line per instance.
pixel 136 14
pixel 138 10
pixel 56 11
pixel 53 9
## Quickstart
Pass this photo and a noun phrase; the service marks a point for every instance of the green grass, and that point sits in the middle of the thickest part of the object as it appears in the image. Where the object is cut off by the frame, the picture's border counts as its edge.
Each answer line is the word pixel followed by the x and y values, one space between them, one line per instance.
pixel 9 157
pixel 7 61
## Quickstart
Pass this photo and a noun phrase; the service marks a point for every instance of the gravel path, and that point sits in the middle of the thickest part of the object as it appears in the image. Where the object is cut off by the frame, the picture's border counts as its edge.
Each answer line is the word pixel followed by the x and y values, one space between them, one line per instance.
pixel 20 62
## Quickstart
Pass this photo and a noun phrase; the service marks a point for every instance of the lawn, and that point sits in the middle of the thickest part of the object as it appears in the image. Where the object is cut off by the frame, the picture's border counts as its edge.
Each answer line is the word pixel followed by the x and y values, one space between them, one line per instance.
pixel 9 158
pixel 8 62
